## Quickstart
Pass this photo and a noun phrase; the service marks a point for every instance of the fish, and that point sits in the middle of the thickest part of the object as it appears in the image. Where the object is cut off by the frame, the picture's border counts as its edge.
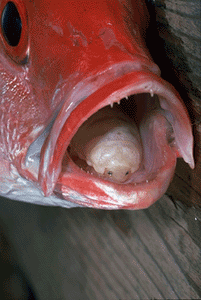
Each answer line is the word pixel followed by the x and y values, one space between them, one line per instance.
pixel 86 118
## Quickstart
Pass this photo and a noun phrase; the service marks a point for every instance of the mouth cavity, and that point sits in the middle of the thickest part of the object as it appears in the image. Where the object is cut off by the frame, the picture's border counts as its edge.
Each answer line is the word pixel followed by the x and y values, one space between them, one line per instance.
pixel 119 144
pixel 116 143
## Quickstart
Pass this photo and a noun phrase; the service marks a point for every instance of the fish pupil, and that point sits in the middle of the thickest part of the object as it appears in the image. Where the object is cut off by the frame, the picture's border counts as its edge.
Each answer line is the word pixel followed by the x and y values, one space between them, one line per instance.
pixel 11 24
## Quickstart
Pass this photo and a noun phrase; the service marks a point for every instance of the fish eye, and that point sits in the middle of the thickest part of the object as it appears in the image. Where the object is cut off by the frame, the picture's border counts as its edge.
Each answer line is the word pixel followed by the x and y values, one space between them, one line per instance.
pixel 14 30
pixel 127 173
pixel 109 173
pixel 11 24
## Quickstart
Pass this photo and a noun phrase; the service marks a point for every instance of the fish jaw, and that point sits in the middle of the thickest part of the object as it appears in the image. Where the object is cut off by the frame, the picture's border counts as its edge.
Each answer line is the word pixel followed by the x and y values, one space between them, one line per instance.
pixel 85 189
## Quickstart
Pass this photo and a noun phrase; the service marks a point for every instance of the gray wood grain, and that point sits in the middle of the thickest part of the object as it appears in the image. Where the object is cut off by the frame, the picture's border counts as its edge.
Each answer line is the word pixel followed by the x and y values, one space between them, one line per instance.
pixel 176 48
pixel 92 254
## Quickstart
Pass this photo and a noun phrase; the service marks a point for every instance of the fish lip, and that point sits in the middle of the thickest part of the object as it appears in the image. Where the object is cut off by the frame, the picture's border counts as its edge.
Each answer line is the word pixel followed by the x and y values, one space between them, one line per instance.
pixel 131 82
pixel 135 201
pixel 96 193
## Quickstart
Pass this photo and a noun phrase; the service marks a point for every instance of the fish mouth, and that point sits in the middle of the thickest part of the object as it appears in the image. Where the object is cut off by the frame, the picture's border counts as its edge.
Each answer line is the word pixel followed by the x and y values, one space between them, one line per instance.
pixel 165 134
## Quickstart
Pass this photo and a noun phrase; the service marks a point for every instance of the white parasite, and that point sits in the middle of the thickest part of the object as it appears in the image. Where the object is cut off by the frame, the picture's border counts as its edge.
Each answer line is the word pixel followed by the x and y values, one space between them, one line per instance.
pixel 109 142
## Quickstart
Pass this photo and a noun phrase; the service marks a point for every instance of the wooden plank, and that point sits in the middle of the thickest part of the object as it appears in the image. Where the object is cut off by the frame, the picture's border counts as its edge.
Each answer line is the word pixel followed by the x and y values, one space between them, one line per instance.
pixel 92 254
pixel 181 7
pixel 178 24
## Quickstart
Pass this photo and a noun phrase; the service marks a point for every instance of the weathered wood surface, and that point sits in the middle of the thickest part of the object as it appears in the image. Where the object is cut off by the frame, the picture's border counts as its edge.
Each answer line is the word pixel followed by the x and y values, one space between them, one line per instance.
pixel 93 254
pixel 178 26
pixel 174 41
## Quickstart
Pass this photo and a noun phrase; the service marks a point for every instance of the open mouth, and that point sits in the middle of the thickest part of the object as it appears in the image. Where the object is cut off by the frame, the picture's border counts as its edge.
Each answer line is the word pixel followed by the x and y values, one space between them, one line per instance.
pixel 117 148
pixel 113 144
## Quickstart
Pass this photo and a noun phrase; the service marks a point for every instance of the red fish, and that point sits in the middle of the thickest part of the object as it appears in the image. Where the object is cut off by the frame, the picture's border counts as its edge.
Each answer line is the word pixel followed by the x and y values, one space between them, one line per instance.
pixel 86 118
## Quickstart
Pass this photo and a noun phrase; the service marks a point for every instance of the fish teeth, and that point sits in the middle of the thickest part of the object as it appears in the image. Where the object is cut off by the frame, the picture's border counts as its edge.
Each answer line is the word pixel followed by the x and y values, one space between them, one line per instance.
pixel 111 104
pixel 151 93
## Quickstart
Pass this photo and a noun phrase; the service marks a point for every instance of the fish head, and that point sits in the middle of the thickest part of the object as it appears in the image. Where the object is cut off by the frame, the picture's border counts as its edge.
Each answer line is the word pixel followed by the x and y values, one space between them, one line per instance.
pixel 62 63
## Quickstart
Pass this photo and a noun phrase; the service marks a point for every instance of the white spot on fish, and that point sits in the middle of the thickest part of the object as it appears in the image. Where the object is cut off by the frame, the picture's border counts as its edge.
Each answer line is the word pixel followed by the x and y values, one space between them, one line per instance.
pixel 56 28
pixel 109 39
